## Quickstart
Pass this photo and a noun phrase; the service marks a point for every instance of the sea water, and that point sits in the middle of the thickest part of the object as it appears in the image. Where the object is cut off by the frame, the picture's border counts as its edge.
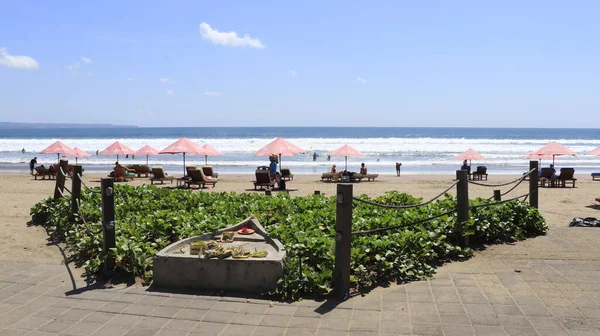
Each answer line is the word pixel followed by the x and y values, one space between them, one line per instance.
pixel 420 150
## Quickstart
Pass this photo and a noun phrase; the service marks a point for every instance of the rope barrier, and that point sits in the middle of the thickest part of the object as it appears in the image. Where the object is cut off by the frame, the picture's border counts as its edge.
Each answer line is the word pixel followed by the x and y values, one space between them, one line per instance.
pixel 85 224
pixel 520 179
pixel 499 202
pixel 387 206
pixel 61 194
pixel 365 232
pixel 85 186
pixel 62 171
pixel 69 191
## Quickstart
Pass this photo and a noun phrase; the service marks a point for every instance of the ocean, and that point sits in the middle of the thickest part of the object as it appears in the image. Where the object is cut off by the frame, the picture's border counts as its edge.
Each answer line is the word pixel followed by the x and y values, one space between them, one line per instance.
pixel 420 150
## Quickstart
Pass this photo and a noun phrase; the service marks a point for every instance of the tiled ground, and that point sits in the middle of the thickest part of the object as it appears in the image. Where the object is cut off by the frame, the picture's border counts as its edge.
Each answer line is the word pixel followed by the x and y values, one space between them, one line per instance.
pixel 544 286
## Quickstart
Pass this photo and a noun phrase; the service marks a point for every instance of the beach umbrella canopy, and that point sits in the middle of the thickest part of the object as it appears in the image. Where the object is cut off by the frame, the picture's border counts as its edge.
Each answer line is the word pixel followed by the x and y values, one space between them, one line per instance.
pixel 554 149
pixel 470 154
pixel 80 154
pixel 183 146
pixel 594 152
pixel 346 151
pixel 208 150
pixel 281 147
pixel 58 148
pixel 147 150
pixel 117 148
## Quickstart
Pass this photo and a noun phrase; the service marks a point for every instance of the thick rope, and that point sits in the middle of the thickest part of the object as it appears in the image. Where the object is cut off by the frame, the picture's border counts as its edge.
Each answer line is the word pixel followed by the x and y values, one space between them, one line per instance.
pixel 86 187
pixel 63 195
pixel 62 172
pixel 69 191
pixel 387 206
pixel 520 179
pixel 85 224
pixel 499 202
pixel 365 232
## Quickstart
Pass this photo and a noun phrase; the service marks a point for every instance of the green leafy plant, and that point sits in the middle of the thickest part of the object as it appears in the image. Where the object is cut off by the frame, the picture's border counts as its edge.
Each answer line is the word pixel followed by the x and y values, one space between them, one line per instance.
pixel 150 218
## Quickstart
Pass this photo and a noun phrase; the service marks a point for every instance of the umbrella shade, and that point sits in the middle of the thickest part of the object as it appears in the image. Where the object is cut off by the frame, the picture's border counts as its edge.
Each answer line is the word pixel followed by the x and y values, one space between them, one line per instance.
pixel 58 148
pixel 346 151
pixel 147 150
pixel 183 146
pixel 208 150
pixel 80 154
pixel 117 148
pixel 470 154
pixel 594 152
pixel 554 149
pixel 281 147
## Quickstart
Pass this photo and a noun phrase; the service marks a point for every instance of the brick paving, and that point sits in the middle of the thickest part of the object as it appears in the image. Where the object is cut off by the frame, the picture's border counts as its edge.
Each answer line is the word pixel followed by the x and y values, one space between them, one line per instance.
pixel 543 286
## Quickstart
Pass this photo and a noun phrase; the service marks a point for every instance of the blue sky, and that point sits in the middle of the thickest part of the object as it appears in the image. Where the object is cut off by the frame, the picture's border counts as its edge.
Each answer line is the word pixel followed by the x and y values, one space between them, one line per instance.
pixel 304 63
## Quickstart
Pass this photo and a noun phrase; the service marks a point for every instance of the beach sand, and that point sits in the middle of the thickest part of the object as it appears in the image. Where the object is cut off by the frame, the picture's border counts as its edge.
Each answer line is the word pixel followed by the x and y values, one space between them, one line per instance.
pixel 19 192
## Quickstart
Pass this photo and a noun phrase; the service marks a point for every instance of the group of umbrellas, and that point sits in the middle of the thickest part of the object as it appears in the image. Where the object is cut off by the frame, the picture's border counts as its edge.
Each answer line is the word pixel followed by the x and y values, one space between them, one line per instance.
pixel 185 146
pixel 549 151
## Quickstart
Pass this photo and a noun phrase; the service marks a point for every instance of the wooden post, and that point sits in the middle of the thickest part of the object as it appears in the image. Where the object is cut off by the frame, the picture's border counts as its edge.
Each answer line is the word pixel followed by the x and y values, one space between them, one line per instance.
pixel 462 201
pixel 60 178
pixel 317 192
pixel 343 237
pixel 533 183
pixel 497 195
pixel 75 188
pixel 108 221
pixel 268 192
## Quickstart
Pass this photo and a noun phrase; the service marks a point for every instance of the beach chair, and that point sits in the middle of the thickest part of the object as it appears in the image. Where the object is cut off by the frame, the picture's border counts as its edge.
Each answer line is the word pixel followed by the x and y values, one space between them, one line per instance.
pixel 188 169
pixel 480 173
pixel 565 177
pixel 326 177
pixel 371 177
pixel 198 178
pixel 43 173
pixel 121 175
pixel 140 170
pixel 208 171
pixel 263 180
pixel 286 174
pixel 159 175
pixel 595 176
pixel 546 177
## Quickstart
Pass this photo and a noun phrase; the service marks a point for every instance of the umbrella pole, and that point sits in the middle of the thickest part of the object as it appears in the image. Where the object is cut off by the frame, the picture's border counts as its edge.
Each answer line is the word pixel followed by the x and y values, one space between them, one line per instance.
pixel 346 163
pixel 146 160
pixel 76 160
pixel 206 160
pixel 279 163
pixel 117 157
pixel 184 165
pixel 58 157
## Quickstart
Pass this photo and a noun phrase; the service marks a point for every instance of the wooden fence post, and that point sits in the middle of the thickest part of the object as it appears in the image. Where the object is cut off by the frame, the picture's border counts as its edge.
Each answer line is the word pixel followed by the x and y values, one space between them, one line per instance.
pixel 462 202
pixel 317 192
pixel 108 221
pixel 343 238
pixel 497 195
pixel 60 178
pixel 76 188
pixel 533 184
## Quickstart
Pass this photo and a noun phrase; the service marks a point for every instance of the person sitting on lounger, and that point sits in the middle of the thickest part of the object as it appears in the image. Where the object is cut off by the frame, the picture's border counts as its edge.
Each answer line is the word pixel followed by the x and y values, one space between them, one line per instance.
pixel 553 171
pixel 363 169
pixel 333 169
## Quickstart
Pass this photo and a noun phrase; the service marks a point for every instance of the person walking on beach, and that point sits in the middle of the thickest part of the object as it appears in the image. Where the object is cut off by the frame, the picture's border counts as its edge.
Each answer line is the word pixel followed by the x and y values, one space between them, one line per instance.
pixel 398 165
pixel 32 164
pixel 315 156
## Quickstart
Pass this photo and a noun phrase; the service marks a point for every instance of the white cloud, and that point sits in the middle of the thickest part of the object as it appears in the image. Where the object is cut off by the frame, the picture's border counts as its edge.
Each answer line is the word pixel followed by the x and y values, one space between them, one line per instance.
pixel 85 60
pixel 362 80
pixel 73 68
pixel 211 93
pixel 166 80
pixel 293 72
pixel 230 39
pixel 14 61
pixel 130 79
pixel 170 93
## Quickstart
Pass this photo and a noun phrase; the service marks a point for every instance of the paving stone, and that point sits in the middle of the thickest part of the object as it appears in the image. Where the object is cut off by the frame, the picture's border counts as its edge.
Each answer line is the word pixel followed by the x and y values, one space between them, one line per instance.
pixel 180 325
pixel 542 323
pixel 13 332
pixel 83 328
pixel 8 320
pixel 167 312
pixel 424 318
pixel 237 330
pixel 50 312
pixel 450 308
pixel 507 310
pixel 191 314
pixel 125 320
pixel 268 331
pixel 455 319
pixel 535 311
pixel 65 303
pixel 114 307
pixel 514 321
pixel 303 322
pixel 138 331
pixel 153 322
pixel 287 310
pixel 74 314
pixel 56 326
pixel 30 323
pixel 137 309
pixel 473 299
pixel 488 331
pixel 25 310
pixel 338 313
pixel 484 319
pixel 111 330
pixel 218 316
pixel 395 327
pixel 479 308
pixel 423 307
pixel 426 329
pixel 513 331
pixel 208 328
pixel 575 323
pixel 457 330
pixel 275 321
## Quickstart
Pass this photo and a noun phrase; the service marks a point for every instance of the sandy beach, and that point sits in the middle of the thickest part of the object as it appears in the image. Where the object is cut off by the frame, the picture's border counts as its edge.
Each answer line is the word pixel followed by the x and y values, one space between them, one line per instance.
pixel 19 192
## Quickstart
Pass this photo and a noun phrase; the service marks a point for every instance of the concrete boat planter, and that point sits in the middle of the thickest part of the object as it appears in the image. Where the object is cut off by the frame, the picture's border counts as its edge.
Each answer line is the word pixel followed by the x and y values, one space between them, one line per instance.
pixel 175 267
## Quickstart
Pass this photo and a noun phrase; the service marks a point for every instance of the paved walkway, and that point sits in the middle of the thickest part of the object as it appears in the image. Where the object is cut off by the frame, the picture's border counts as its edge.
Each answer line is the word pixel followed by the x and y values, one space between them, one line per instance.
pixel 543 286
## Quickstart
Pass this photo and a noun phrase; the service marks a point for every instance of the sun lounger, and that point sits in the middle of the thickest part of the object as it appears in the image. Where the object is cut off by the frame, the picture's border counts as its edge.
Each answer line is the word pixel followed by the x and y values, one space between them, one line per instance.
pixel 480 173
pixel 370 177
pixel 140 170
pixel 198 178
pixel 286 174
pixel 595 176
pixel 121 175
pixel 326 177
pixel 160 175
pixel 43 173
pixel 565 177
pixel 263 180
pixel 208 171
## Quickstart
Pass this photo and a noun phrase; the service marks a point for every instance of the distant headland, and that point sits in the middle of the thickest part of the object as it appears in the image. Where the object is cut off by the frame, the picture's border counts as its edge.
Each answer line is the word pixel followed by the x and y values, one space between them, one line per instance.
pixel 13 125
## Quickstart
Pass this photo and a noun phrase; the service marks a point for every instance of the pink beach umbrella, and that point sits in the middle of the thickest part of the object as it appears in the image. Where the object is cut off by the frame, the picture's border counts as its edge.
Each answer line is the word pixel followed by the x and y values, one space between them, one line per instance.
pixel 594 152
pixel 539 156
pixel 470 154
pixel 183 146
pixel 208 150
pixel 117 148
pixel 80 154
pixel 147 150
pixel 554 149
pixel 346 151
pixel 58 148
pixel 281 147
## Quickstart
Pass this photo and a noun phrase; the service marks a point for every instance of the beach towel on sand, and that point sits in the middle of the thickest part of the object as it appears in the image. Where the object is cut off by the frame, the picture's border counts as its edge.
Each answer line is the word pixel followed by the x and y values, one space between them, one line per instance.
pixel 585 222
